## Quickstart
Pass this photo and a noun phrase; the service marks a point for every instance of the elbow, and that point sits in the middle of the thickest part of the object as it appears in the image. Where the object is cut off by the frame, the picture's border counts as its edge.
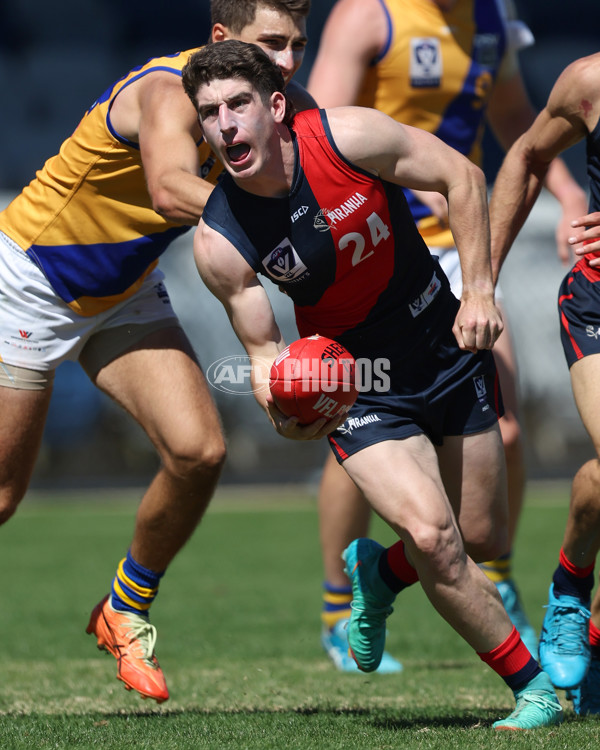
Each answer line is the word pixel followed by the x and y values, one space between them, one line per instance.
pixel 165 205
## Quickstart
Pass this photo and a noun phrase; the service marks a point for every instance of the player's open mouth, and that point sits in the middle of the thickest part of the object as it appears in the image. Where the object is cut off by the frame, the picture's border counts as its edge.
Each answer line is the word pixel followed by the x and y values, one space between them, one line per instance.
pixel 238 152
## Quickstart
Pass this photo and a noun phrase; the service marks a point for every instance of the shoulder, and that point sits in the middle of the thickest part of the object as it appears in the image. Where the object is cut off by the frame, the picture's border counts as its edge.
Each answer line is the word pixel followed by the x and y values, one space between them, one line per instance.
pixel 361 24
pixel 576 93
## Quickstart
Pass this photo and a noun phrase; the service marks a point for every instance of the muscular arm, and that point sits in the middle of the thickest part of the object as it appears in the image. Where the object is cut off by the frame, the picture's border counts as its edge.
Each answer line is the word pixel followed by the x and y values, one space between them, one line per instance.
pixel 415 159
pixel 354 33
pixel 572 107
pixel 230 278
pixel 510 114
pixel 156 112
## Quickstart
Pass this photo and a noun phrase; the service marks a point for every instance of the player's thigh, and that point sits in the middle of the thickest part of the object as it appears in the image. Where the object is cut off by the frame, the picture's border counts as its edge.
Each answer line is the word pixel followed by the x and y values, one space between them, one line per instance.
pixel 160 383
pixel 24 414
pixel 474 474
pixel 585 381
pixel 401 481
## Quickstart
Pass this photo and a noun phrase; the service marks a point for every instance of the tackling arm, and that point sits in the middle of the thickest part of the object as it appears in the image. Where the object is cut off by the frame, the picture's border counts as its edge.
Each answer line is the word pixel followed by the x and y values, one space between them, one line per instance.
pixel 168 133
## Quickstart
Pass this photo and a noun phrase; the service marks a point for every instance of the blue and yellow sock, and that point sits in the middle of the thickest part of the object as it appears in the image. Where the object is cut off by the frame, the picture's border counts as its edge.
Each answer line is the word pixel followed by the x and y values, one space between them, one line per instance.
pixel 134 587
pixel 498 570
pixel 336 603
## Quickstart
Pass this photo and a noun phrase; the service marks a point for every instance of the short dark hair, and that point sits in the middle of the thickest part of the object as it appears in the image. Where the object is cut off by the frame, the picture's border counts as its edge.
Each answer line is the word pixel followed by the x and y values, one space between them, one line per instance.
pixel 234 59
pixel 237 14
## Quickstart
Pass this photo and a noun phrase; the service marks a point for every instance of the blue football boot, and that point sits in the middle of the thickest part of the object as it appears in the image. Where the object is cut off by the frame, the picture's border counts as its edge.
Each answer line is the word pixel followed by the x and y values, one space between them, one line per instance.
pixel 371 603
pixel 537 706
pixel 586 696
pixel 335 642
pixel 564 642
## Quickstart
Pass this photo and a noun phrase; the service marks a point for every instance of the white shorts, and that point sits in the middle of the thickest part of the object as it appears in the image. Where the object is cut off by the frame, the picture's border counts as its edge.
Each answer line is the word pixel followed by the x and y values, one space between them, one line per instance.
pixel 38 330
pixel 450 263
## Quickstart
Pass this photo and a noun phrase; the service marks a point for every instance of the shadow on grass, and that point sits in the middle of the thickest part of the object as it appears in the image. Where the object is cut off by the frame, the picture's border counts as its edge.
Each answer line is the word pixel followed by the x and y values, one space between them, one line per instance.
pixel 386 719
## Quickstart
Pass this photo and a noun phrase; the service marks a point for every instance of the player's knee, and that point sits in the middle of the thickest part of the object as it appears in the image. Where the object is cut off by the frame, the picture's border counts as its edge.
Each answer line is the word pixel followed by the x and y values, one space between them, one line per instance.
pixel 439 547
pixel 199 457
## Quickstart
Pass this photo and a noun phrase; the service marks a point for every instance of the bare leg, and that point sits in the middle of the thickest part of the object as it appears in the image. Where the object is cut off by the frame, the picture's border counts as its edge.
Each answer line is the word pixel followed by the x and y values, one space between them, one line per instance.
pixel 582 532
pixel 21 429
pixel 344 515
pixel 160 384
pixel 511 433
pixel 401 479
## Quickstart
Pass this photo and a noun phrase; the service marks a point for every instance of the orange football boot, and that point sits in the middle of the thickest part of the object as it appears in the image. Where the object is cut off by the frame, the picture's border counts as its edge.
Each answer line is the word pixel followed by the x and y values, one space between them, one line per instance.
pixel 130 639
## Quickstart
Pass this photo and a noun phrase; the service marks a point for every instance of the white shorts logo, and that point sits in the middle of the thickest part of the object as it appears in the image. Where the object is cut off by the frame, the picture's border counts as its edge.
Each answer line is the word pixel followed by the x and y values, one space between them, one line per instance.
pixel 423 301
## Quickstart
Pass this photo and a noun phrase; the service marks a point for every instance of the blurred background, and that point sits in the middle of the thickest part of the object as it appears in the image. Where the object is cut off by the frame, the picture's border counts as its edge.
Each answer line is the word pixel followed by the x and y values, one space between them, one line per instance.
pixel 56 58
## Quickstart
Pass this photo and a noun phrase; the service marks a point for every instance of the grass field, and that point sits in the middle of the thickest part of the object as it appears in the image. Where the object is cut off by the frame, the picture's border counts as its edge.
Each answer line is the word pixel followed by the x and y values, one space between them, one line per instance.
pixel 238 624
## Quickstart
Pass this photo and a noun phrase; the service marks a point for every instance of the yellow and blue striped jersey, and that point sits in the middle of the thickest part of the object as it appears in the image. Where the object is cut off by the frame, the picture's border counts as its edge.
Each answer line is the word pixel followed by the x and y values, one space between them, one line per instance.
pixel 436 72
pixel 86 219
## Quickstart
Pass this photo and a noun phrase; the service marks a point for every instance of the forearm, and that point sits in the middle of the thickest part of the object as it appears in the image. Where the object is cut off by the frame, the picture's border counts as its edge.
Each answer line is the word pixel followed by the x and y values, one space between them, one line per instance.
pixel 515 191
pixel 470 229
pixel 181 197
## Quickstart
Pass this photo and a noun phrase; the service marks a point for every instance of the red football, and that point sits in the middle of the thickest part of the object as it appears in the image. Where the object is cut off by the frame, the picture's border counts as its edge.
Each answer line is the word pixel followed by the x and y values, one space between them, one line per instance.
pixel 313 377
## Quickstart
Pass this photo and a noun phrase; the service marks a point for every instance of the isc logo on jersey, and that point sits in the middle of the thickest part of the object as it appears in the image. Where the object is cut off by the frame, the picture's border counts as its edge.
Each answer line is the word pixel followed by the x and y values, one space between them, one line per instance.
pixel 284 263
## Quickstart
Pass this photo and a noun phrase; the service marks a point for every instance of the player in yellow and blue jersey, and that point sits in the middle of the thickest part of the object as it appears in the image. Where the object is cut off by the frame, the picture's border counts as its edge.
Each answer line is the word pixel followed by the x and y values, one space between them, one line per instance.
pixel 79 278
pixel 446 66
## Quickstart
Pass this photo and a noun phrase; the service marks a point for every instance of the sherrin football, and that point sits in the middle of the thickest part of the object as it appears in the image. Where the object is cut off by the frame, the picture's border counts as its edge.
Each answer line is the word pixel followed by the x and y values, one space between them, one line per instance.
pixel 314 377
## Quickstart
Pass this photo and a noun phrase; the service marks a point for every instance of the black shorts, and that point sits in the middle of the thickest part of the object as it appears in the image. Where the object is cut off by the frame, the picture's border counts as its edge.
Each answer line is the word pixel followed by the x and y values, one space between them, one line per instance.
pixel 445 392
pixel 579 310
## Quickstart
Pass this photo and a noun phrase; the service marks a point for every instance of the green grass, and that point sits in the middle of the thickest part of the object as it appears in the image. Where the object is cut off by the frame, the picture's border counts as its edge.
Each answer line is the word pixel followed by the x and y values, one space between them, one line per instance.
pixel 238 623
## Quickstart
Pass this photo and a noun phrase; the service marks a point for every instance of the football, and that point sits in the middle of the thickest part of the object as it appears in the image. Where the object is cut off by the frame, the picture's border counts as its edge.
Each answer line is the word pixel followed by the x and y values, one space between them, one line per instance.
pixel 313 377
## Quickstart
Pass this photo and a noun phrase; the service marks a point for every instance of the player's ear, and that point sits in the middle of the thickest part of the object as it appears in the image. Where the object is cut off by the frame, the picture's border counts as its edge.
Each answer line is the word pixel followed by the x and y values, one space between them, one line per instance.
pixel 278 106
pixel 219 33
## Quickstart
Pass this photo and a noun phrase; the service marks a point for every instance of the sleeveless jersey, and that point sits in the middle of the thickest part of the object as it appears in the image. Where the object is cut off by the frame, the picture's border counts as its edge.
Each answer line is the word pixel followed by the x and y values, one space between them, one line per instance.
pixel 593 171
pixel 343 245
pixel 436 72
pixel 86 219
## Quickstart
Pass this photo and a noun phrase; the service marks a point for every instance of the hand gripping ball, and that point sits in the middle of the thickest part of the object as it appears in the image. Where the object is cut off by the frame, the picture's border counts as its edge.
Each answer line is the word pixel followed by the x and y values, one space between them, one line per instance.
pixel 313 377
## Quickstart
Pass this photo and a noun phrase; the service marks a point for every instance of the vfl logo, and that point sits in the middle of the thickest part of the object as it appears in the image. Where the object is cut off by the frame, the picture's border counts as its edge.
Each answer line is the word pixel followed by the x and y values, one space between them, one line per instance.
pixel 425 62
pixel 423 301
pixel 321 222
pixel 25 334
pixel 481 391
pixel 284 263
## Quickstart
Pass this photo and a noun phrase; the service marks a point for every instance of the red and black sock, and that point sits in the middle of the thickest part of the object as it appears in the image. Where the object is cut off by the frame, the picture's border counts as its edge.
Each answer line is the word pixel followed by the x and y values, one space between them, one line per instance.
pixel 569 580
pixel 395 570
pixel 512 661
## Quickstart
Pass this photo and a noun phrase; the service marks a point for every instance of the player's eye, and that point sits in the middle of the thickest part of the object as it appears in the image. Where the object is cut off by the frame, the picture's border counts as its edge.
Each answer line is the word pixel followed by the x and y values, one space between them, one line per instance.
pixel 207 113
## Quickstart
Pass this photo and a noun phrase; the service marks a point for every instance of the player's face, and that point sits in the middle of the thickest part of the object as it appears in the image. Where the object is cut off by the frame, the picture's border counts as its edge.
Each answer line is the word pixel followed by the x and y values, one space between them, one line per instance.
pixel 281 36
pixel 238 125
